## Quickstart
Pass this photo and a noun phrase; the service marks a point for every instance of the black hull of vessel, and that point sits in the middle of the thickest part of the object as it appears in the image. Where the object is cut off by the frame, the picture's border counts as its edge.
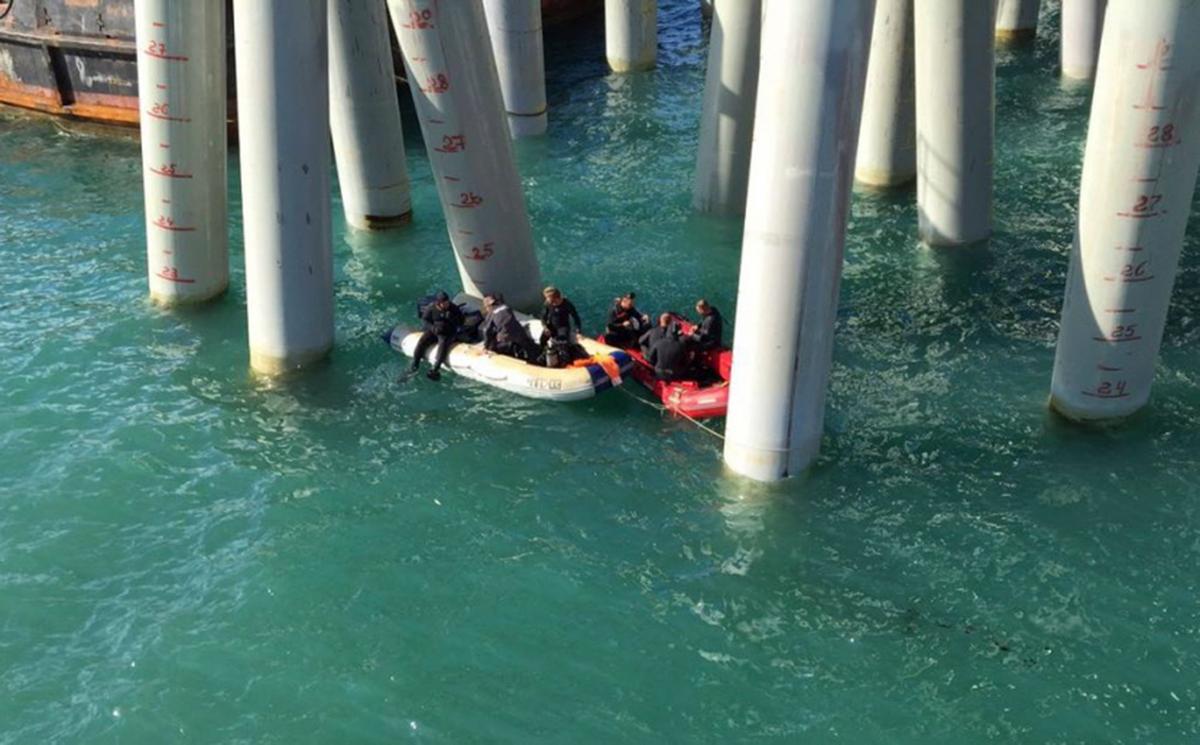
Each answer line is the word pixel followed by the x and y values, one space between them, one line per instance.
pixel 77 59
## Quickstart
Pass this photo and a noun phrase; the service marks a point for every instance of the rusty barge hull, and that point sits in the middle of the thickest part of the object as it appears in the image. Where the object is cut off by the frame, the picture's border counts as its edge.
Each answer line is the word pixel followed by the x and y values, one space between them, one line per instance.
pixel 71 58
pixel 77 59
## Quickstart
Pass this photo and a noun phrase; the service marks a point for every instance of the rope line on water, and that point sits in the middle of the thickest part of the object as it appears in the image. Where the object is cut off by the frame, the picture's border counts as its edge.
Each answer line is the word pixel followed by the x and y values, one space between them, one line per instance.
pixel 641 400
pixel 663 409
pixel 702 426
pixel 719 435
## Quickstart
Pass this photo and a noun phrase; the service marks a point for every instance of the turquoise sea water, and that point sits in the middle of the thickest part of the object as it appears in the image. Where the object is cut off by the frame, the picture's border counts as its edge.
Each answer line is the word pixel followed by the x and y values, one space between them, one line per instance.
pixel 188 554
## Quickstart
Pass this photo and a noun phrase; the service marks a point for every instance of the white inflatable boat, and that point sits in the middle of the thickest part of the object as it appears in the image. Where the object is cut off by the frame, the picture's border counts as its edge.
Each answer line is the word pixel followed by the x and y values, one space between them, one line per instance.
pixel 608 368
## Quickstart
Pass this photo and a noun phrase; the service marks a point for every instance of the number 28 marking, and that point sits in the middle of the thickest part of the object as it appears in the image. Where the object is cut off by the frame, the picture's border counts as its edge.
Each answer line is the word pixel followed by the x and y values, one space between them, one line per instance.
pixel 1164 135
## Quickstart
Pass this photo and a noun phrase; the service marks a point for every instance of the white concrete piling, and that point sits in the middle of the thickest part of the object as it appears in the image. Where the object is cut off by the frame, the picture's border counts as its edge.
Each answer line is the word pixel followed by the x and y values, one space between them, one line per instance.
pixel 887 144
pixel 1139 178
pixel 283 123
pixel 181 92
pixel 631 34
pixel 727 118
pixel 515 27
pixel 1082 28
pixel 814 66
pixel 955 66
pixel 1016 21
pixel 364 117
pixel 456 88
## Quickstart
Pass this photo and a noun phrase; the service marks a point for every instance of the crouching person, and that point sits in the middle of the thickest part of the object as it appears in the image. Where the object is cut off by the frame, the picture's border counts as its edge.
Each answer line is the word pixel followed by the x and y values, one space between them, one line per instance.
pixel 503 333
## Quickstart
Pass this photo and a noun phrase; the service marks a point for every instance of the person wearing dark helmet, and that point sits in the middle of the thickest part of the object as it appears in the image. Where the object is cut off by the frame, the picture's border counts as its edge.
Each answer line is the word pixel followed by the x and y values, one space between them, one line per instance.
pixel 625 323
pixel 441 321
pixel 503 333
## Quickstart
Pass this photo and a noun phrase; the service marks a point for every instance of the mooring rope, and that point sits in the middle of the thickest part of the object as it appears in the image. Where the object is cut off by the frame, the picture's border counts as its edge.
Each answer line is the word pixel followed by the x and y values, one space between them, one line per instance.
pixel 663 409
pixel 702 425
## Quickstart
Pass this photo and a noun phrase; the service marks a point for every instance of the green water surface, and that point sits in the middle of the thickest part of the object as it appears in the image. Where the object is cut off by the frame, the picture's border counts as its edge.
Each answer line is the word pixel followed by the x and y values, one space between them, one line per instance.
pixel 188 554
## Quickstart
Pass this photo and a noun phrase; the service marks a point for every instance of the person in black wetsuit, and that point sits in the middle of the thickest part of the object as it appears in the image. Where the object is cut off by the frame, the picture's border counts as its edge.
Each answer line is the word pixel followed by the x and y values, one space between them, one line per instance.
pixel 557 316
pixel 667 351
pixel 560 329
pixel 503 333
pixel 625 323
pixel 442 320
pixel 708 332
pixel 665 327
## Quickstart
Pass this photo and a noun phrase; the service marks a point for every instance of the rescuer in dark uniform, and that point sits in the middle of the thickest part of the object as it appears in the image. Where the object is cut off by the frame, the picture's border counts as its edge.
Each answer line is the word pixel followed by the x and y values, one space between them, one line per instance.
pixel 557 317
pixel 560 329
pixel 710 329
pixel 625 323
pixel 503 333
pixel 665 327
pixel 667 352
pixel 442 320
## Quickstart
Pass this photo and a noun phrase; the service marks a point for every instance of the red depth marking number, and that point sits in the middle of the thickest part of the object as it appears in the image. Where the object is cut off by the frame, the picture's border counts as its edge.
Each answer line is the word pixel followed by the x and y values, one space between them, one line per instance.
pixel 170 171
pixel 171 274
pixel 1120 333
pixel 1133 271
pixel 159 49
pixel 163 111
pixel 469 200
pixel 419 19
pixel 168 223
pixel 1109 389
pixel 482 253
pixel 436 84
pixel 1147 203
pixel 1164 135
pixel 452 144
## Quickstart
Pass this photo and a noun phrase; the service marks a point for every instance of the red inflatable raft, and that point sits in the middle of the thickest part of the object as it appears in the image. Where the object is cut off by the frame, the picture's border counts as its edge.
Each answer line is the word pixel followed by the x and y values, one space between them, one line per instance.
pixel 705 396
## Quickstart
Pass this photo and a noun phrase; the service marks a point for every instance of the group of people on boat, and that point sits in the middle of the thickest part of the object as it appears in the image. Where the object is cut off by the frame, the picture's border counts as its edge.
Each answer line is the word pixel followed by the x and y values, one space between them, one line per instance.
pixel 671 352
pixel 665 346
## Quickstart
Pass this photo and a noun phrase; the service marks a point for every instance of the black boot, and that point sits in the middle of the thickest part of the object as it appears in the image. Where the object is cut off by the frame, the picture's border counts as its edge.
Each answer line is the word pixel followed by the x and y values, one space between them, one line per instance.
pixel 434 374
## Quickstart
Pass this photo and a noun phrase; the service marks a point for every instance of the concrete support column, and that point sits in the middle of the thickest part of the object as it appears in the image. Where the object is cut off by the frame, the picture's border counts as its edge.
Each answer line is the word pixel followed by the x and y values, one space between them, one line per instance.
pixel 814 66
pixel 1139 177
pixel 515 27
pixel 456 88
pixel 181 92
pixel 364 116
pixel 283 120
pixel 1016 21
pixel 887 144
pixel 727 120
pixel 1082 28
pixel 631 34
pixel 955 58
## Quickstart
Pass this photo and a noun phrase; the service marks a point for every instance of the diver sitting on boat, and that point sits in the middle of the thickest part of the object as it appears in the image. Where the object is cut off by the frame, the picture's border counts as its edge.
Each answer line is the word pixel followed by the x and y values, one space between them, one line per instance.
pixel 441 321
pixel 626 323
pixel 503 333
